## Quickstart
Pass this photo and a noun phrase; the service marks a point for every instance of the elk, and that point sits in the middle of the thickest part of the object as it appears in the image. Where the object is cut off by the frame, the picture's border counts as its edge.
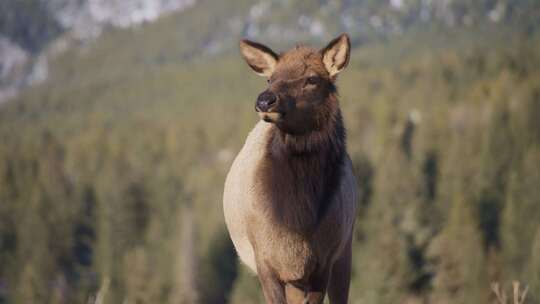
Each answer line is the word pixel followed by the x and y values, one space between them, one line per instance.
pixel 290 195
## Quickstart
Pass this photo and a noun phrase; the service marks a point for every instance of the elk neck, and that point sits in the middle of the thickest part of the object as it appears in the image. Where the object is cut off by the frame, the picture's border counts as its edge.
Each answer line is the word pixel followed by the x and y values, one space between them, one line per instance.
pixel 301 173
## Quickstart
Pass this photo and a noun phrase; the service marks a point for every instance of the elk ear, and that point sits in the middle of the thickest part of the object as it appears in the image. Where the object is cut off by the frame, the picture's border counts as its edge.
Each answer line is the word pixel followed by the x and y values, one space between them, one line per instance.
pixel 336 54
pixel 259 57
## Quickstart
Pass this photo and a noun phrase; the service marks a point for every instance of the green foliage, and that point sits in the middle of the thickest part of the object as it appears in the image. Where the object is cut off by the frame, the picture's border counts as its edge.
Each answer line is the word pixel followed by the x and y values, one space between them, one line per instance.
pixel 457 257
pixel 220 269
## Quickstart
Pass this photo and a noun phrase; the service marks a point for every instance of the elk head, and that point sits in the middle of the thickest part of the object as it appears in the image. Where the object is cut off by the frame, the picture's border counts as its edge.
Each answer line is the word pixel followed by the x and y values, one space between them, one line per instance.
pixel 300 96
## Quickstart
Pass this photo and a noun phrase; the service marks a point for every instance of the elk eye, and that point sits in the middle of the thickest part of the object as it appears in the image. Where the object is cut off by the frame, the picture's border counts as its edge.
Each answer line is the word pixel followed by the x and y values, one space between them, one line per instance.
pixel 312 80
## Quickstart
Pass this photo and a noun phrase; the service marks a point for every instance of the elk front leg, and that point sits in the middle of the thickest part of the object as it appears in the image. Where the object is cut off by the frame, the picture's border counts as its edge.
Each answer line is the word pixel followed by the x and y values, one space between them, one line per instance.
pixel 273 288
pixel 338 287
pixel 312 292
pixel 317 289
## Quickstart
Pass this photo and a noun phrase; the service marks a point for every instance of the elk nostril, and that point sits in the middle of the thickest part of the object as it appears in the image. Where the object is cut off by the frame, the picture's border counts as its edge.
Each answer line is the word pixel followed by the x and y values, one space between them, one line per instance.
pixel 271 99
pixel 265 101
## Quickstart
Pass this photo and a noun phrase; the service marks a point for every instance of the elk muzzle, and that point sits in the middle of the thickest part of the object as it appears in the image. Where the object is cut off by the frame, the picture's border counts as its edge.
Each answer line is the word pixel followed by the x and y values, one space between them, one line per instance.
pixel 265 102
pixel 266 106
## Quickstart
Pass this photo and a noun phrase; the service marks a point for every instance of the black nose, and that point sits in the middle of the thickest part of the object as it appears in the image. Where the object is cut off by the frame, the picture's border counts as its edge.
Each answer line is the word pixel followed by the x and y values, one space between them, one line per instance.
pixel 265 101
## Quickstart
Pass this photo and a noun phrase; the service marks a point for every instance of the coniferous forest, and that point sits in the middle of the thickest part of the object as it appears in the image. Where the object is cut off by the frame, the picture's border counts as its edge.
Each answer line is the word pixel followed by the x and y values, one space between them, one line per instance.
pixel 112 170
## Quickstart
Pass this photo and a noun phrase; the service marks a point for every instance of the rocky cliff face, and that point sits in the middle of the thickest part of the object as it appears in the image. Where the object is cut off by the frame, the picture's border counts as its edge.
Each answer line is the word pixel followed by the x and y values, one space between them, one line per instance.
pixel 32 31
pixel 87 18
pixel 13 64
pixel 294 19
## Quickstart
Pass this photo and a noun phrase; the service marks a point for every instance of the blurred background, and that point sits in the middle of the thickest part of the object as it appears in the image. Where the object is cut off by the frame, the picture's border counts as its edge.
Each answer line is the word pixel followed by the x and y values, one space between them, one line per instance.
pixel 119 120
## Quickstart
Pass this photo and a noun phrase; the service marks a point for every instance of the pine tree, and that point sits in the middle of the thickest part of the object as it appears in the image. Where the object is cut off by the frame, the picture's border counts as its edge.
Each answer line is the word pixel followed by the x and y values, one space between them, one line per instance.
pixel 458 259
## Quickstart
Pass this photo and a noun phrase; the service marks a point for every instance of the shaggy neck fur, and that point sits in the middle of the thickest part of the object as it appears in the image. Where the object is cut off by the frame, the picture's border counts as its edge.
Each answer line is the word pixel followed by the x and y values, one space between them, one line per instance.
pixel 300 174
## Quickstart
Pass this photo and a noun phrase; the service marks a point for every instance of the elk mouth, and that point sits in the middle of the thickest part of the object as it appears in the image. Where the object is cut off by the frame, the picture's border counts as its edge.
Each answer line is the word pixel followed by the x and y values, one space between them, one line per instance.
pixel 271 116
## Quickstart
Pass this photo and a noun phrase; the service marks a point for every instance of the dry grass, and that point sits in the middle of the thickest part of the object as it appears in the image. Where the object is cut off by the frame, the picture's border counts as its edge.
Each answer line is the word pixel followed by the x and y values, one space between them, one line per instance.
pixel 518 295
pixel 99 298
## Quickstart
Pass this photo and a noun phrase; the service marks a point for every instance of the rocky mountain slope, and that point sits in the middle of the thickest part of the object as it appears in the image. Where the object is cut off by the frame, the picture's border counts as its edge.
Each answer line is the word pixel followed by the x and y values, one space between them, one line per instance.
pixel 33 31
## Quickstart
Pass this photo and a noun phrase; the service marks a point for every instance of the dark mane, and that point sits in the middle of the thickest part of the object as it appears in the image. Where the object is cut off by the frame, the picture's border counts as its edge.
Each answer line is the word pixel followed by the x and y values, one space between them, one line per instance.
pixel 301 174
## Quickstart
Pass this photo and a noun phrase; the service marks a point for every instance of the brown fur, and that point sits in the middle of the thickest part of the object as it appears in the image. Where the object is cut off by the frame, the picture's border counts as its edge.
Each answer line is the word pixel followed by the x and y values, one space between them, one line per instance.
pixel 290 196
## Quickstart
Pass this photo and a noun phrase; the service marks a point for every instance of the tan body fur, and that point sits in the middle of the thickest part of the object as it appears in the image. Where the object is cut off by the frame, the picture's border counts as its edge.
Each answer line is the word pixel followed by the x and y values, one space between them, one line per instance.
pixel 246 210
